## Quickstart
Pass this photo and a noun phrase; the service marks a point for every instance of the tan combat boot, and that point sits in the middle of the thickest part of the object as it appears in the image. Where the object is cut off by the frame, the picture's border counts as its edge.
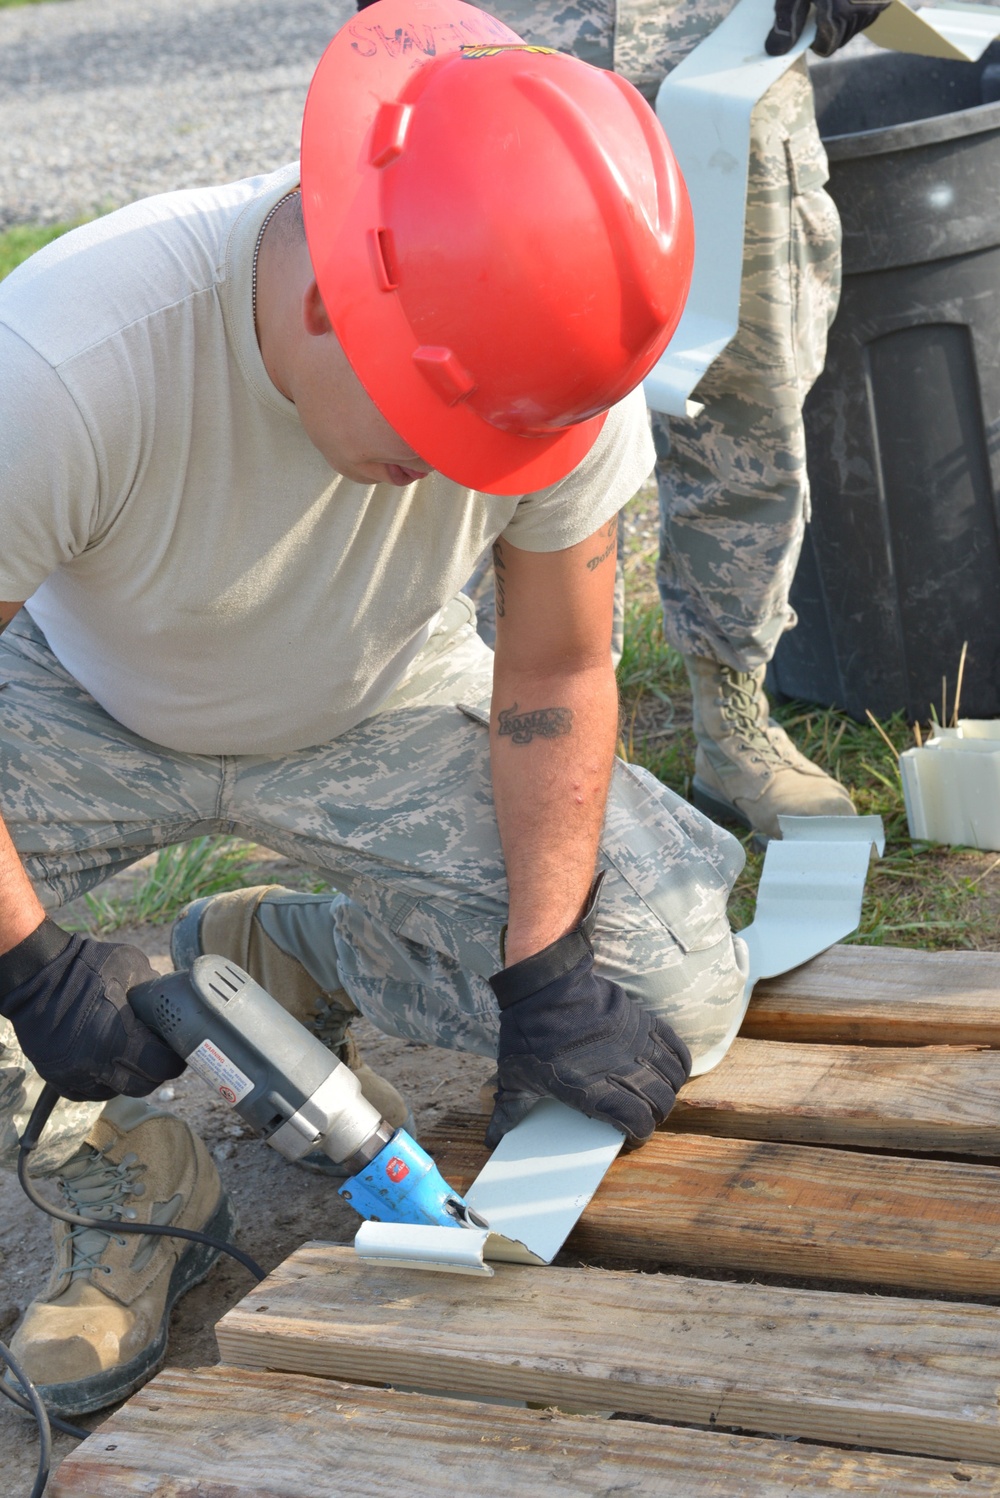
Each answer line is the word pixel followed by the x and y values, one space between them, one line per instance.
pixel 747 769
pixel 229 925
pixel 99 1330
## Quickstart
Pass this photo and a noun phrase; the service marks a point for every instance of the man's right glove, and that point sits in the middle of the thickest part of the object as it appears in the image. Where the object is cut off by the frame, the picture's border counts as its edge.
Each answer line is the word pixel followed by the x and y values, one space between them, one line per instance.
pixel 566 1032
pixel 837 22
pixel 66 997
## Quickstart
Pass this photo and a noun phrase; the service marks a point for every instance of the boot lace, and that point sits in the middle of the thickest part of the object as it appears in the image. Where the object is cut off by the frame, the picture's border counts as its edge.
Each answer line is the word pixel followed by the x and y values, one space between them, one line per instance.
pixel 740 708
pixel 93 1187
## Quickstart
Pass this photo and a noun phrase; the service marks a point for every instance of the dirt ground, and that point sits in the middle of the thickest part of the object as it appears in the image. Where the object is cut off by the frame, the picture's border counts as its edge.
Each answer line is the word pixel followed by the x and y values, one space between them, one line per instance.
pixel 279 1205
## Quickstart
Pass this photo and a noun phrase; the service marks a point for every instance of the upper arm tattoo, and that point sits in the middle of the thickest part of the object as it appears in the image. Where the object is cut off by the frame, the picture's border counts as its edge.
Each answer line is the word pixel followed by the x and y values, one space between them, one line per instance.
pixel 610 532
pixel 499 580
pixel 542 723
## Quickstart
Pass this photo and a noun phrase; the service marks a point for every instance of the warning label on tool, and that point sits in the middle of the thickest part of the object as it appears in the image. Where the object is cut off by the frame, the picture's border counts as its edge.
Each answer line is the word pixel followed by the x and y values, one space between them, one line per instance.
pixel 215 1068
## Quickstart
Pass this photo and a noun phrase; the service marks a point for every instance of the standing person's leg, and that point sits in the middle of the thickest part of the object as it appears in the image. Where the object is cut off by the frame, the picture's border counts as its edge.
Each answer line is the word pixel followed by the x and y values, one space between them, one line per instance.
pixel 734 491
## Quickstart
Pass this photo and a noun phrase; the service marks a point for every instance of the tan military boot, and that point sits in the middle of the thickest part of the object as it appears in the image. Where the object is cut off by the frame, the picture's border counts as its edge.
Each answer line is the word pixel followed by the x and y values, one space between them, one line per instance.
pixel 747 769
pixel 230 926
pixel 99 1329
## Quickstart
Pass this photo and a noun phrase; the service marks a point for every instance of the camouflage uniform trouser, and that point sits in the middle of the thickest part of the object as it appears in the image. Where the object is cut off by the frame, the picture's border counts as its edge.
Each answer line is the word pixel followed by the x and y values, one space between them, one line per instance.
pixel 398 813
pixel 734 494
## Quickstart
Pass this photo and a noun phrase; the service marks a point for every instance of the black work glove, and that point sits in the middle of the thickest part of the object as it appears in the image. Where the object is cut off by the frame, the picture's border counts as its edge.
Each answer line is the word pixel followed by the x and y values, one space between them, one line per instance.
pixel 567 1033
pixel 66 997
pixel 837 21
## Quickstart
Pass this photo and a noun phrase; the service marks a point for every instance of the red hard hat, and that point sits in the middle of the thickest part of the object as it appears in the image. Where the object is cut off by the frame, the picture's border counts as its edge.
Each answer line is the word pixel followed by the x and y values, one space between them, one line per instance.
pixel 500 235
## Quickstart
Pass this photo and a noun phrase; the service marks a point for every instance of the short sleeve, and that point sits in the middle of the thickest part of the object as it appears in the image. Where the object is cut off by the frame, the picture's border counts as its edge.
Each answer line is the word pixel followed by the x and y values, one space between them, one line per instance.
pixel 617 465
pixel 48 471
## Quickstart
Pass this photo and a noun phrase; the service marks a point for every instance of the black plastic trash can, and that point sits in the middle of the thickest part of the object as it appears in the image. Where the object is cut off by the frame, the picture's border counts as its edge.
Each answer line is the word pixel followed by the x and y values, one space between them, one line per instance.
pixel 902 560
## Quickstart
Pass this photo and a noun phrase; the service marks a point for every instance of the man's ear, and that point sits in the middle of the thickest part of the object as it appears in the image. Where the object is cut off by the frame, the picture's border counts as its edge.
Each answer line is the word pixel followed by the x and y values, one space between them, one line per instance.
pixel 314 316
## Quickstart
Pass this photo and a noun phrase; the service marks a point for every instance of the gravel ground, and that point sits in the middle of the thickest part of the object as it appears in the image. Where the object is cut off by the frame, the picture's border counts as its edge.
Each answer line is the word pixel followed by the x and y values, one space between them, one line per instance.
pixel 105 101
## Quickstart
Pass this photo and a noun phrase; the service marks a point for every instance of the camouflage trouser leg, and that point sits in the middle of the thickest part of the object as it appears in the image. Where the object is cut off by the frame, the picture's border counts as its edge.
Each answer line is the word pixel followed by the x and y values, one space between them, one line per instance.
pixel 734 494
pixel 398 813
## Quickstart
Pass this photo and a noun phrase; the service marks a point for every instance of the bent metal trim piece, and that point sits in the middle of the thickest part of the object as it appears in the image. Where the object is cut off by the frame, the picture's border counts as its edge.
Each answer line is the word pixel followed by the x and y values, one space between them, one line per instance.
pixel 704 106
pixel 541 1176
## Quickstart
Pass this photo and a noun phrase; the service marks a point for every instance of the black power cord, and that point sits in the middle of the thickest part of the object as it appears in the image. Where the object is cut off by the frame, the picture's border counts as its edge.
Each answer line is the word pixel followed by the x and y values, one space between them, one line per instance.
pixel 30 1401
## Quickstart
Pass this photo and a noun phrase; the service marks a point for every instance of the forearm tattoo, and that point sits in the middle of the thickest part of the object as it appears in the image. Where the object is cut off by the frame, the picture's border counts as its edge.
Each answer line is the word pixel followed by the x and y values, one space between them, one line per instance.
pixel 499 581
pixel 611 532
pixel 543 723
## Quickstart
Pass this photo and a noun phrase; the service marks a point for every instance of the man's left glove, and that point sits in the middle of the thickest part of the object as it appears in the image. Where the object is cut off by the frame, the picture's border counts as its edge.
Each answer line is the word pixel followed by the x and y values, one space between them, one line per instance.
pixel 67 998
pixel 837 22
pixel 566 1032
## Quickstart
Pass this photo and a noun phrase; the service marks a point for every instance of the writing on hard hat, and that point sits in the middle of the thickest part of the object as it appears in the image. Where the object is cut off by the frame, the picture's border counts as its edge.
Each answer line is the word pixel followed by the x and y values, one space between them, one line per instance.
pixel 500 234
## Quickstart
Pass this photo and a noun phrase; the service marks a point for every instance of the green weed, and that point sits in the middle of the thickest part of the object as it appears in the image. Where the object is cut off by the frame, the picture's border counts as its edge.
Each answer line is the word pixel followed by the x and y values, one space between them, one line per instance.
pixel 7 4
pixel 204 866
pixel 24 239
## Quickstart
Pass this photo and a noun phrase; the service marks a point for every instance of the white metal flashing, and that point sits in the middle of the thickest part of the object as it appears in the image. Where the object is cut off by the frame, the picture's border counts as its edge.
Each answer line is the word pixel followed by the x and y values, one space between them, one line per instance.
pixel 541 1176
pixel 809 897
pixel 704 106
pixel 403 1246
pixel 531 1191
pixel 961 32
pixel 951 786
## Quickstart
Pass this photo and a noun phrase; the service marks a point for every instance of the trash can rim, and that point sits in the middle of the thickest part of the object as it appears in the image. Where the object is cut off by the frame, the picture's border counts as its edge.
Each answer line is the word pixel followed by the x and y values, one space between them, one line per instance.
pixel 914 133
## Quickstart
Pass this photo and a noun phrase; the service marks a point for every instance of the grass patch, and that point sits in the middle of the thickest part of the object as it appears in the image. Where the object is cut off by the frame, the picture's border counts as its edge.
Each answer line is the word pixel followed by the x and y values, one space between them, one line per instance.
pixel 204 866
pixel 917 895
pixel 24 239
pixel 9 4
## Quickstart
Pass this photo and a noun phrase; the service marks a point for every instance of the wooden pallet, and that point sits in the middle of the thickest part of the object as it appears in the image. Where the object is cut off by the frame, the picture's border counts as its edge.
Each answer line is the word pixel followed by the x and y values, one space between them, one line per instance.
pixel 231 1433
pixel 824 1149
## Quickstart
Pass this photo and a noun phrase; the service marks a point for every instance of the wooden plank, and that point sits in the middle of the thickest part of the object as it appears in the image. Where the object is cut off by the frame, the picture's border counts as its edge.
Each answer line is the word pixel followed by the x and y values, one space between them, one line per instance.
pixel 778 1208
pixel 943 1099
pixel 882 996
pixel 242 1434
pixel 917 1376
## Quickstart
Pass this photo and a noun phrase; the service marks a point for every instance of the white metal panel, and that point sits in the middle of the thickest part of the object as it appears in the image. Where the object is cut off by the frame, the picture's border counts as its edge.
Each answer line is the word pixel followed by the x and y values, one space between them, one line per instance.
pixel 951 786
pixel 960 32
pixel 704 106
pixel 809 897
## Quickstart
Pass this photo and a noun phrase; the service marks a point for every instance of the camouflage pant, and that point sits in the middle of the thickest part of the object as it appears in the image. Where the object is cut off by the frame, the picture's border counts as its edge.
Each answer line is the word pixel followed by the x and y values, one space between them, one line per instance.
pixel 398 814
pixel 734 493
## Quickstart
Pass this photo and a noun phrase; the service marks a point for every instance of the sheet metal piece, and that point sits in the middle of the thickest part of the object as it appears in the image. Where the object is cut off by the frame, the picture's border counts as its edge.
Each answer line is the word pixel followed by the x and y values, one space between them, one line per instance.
pixel 704 106
pixel 960 32
pixel 541 1176
pixel 531 1191
pixel 404 1246
pixel 809 897
pixel 951 786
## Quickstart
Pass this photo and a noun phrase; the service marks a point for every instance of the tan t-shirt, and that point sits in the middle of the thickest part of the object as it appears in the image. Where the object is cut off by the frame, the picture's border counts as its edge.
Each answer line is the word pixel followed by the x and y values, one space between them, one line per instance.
pixel 193 560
